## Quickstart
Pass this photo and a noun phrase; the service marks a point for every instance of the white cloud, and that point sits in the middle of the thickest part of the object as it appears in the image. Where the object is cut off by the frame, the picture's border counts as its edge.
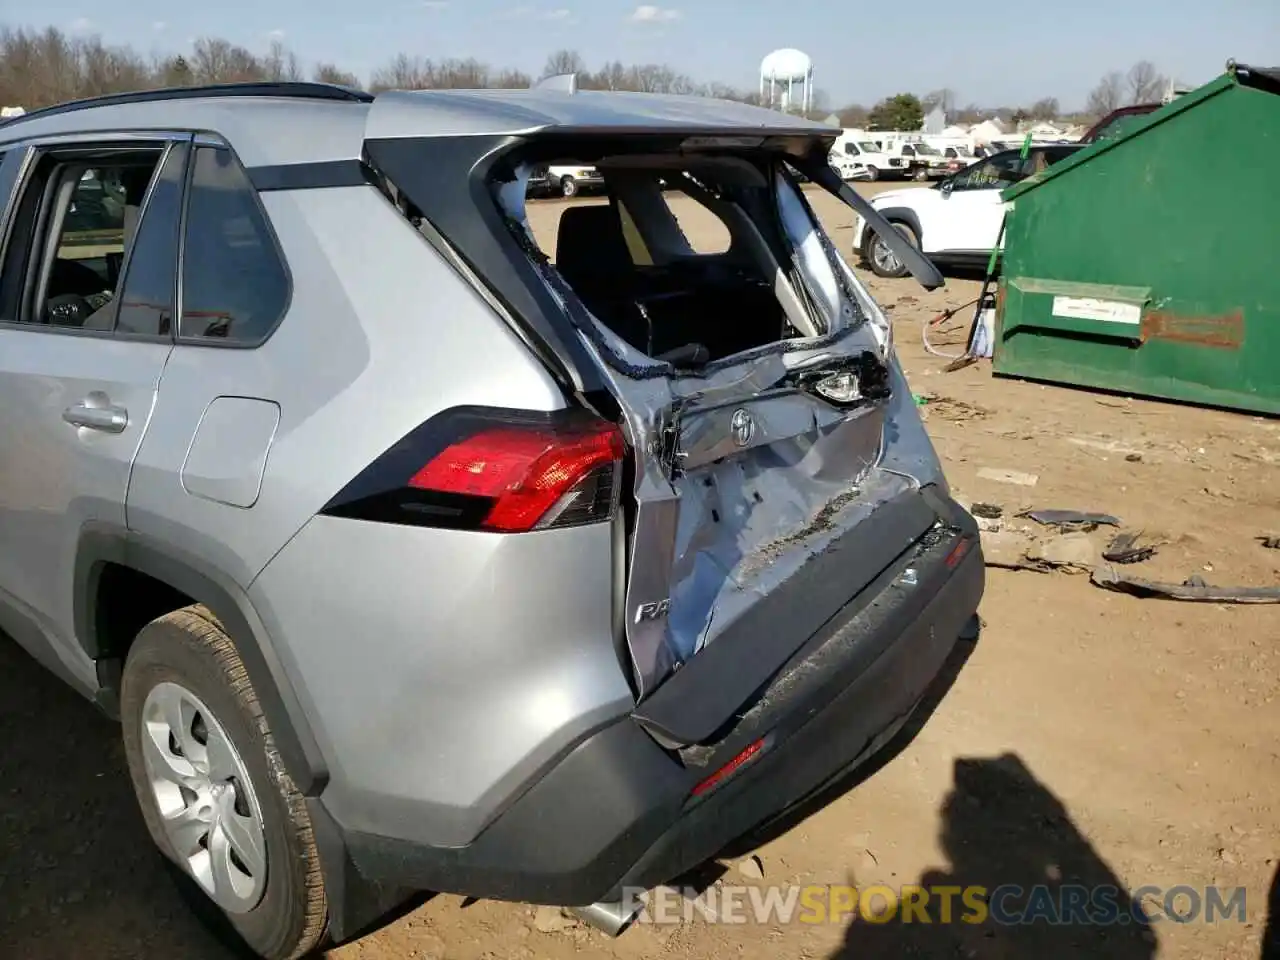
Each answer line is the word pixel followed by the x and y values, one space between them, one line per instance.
pixel 276 34
pixel 562 13
pixel 81 25
pixel 649 14
pixel 159 26
pixel 435 4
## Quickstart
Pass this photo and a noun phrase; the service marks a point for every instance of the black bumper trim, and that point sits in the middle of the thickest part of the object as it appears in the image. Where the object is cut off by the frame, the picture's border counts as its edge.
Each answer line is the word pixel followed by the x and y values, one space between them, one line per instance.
pixel 616 811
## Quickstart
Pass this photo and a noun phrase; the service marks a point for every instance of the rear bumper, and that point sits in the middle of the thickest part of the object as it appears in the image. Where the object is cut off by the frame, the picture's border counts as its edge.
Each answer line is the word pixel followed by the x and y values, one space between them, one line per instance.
pixel 618 811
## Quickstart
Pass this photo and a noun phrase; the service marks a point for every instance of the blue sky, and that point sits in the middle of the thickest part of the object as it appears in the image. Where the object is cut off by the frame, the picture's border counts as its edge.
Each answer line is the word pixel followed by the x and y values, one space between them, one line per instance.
pixel 987 53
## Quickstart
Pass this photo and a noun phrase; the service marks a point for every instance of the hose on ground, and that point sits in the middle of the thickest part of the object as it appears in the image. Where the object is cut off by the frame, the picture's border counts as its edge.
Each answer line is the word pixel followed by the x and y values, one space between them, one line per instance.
pixel 937 321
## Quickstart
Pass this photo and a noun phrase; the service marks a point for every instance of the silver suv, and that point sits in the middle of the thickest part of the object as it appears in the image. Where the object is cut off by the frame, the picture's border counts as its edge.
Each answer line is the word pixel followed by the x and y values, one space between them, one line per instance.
pixel 411 555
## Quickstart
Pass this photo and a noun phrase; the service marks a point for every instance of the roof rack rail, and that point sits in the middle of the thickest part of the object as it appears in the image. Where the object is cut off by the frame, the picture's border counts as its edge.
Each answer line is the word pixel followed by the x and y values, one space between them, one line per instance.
pixel 300 90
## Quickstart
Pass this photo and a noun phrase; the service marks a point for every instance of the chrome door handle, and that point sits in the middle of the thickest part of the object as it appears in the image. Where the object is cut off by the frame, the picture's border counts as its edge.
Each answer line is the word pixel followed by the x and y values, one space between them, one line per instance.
pixel 107 419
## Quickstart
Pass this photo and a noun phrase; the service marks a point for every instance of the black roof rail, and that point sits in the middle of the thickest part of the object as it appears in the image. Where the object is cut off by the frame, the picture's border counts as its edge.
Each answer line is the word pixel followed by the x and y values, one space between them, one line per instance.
pixel 301 90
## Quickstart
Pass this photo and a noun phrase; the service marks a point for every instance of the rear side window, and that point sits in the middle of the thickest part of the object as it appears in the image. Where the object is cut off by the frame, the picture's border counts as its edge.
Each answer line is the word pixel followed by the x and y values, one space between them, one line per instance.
pixel 234 285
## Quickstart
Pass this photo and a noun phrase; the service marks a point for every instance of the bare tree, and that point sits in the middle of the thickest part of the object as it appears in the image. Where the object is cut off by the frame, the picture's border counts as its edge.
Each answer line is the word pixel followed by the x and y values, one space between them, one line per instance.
pixel 1045 109
pixel 332 73
pixel 1146 83
pixel 281 63
pixel 512 80
pixel 562 62
pixel 214 60
pixel 38 68
pixel 402 73
pixel 854 115
pixel 944 98
pixel 1106 96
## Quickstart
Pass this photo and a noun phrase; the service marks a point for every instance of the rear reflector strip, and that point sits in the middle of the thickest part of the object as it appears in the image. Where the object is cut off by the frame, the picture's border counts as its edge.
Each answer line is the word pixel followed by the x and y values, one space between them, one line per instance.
pixel 958 552
pixel 729 769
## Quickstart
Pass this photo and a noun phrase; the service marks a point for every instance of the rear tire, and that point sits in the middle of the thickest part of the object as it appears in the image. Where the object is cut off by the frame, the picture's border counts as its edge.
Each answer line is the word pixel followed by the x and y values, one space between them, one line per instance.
pixel 234 825
pixel 883 262
pixel 568 187
pixel 920 174
pixel 873 173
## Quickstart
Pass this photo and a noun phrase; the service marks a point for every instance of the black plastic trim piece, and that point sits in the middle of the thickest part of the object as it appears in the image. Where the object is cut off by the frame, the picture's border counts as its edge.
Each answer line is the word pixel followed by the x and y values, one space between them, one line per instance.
pixel 311 176
pixel 299 90
pixel 101 545
pixel 709 691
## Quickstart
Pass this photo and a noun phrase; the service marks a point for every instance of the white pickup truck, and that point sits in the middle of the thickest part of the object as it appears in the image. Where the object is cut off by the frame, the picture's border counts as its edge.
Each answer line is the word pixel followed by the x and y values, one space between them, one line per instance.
pixel 857 157
pixel 564 181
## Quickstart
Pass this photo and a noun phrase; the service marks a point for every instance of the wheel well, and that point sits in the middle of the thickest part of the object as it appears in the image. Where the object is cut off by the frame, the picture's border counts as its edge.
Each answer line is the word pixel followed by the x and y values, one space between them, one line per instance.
pixel 126 600
pixel 869 234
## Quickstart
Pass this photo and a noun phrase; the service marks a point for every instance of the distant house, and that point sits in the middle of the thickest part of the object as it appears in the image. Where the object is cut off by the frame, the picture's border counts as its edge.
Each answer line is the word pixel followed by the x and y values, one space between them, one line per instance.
pixel 1044 131
pixel 988 131
pixel 956 130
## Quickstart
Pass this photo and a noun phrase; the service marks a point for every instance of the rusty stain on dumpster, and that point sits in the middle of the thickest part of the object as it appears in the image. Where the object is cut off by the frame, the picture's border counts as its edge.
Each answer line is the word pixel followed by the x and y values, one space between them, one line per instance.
pixel 1226 330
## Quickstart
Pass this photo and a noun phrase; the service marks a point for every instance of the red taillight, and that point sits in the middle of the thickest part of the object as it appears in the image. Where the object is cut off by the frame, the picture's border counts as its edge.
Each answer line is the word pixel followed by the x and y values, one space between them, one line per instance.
pixel 536 476
pixel 730 768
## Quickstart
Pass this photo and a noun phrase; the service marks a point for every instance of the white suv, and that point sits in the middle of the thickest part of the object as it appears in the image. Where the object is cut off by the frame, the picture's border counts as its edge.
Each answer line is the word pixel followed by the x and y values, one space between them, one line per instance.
pixel 956 221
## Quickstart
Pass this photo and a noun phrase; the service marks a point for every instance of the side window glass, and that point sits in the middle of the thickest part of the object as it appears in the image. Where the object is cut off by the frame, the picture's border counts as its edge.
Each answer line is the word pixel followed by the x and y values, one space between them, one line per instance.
pixel 70 228
pixel 994 173
pixel 146 301
pixel 851 150
pixel 234 287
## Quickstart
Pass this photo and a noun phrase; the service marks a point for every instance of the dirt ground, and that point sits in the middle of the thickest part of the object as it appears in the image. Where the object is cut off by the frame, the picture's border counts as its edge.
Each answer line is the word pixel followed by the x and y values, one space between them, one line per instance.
pixel 1090 737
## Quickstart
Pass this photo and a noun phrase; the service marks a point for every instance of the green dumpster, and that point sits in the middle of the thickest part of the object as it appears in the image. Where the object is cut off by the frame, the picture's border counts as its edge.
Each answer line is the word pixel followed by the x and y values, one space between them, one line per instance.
pixel 1147 264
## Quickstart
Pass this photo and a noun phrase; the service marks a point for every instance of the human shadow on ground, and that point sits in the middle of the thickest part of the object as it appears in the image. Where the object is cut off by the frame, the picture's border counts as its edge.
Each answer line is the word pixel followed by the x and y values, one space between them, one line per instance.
pixel 1005 832
pixel 1271 932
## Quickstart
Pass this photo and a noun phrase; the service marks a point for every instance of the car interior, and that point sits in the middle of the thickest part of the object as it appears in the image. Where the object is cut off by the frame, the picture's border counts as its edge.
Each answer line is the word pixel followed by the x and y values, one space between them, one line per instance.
pixel 635 270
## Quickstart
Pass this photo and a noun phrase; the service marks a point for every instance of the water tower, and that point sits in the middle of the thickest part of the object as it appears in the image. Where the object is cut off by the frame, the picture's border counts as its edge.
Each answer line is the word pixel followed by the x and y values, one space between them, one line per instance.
pixel 780 73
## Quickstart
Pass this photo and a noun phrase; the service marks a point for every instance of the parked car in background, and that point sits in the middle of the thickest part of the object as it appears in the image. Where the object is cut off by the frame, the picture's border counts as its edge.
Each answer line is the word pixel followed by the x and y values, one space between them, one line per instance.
pixel 913 161
pixel 564 180
pixel 1118 121
pixel 410 554
pixel 955 222
pixel 856 150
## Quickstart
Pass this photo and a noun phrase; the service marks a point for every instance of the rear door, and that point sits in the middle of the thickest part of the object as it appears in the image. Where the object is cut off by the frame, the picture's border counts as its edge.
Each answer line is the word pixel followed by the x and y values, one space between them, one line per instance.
pixel 972 209
pixel 761 507
pixel 86 308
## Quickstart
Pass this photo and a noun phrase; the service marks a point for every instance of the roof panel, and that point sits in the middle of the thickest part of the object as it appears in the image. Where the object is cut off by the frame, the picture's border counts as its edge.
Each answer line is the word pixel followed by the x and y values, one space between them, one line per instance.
pixel 465 112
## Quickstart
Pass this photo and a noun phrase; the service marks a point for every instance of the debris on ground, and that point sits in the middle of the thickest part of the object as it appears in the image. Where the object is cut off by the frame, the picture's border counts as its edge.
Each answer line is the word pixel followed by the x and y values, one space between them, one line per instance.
pixel 1071 519
pixel 751 868
pixel 1134 457
pixel 1271 543
pixel 987 511
pixel 949 408
pixel 1127 548
pixel 1015 477
pixel 1194 588
pixel 552 920
pixel 1072 552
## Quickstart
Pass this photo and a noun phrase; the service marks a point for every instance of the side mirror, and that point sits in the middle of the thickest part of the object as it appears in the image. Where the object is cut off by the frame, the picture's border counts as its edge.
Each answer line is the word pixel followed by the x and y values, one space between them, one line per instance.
pixel 945 187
